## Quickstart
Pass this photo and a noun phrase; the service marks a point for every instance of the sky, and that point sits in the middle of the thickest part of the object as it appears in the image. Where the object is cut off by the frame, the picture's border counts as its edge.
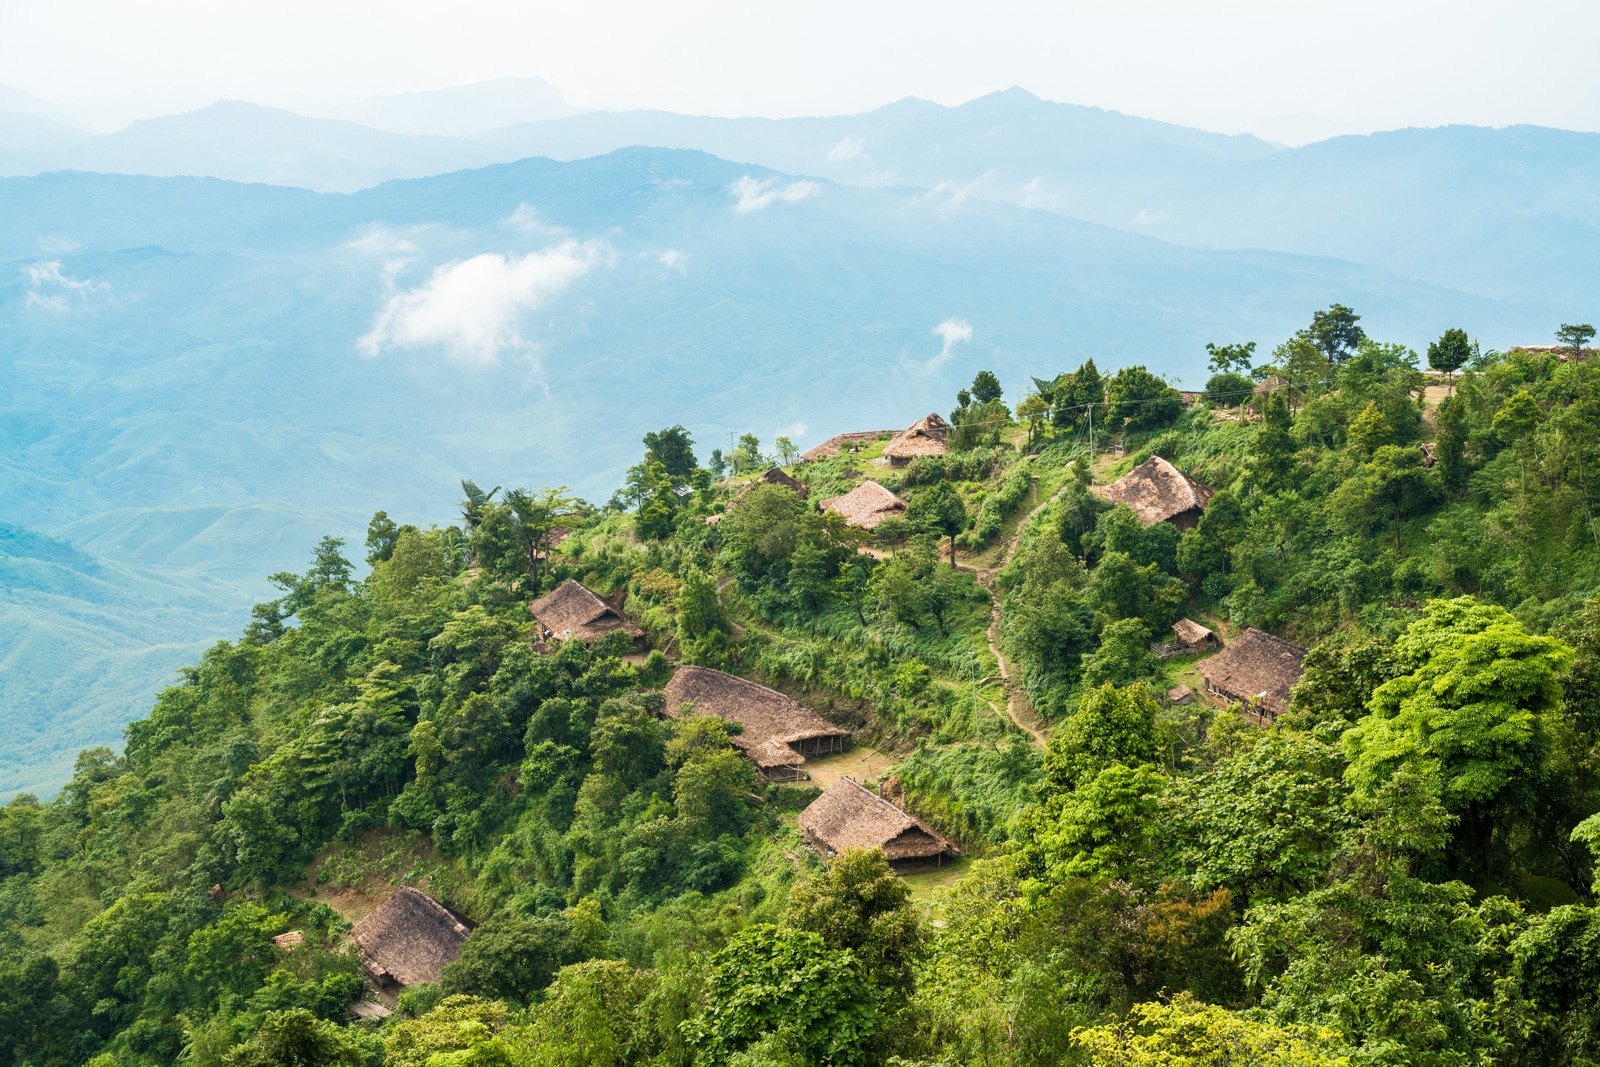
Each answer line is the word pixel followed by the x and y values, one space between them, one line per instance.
pixel 1265 66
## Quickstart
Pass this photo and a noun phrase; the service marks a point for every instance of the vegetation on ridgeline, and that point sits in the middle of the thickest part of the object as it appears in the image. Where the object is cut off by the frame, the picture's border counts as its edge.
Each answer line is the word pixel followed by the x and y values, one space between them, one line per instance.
pixel 1398 870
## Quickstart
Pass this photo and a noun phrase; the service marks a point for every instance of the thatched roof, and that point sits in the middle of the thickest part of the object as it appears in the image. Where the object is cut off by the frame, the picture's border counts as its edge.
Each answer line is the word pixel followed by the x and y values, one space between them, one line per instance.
pixel 1192 633
pixel 571 609
pixel 840 442
pixel 1180 694
pixel 409 938
pixel 928 436
pixel 1257 669
pixel 772 722
pixel 1157 491
pixel 866 505
pixel 848 815
pixel 778 476
pixel 290 941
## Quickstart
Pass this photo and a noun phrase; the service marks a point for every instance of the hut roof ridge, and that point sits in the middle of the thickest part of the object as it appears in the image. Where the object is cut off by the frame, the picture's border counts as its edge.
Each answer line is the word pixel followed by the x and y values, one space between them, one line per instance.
pixel 849 815
pixel 1155 491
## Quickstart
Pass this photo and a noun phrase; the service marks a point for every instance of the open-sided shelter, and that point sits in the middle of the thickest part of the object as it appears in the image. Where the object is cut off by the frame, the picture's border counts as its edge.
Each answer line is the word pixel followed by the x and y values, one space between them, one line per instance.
pixel 866 505
pixel 1156 491
pixel 1257 670
pixel 1194 637
pixel 928 436
pixel 778 733
pixel 849 815
pixel 409 938
pixel 571 609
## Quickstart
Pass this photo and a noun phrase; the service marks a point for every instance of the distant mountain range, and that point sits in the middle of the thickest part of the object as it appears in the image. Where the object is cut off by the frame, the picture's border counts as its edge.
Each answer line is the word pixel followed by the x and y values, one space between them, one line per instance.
pixel 200 377
pixel 1500 213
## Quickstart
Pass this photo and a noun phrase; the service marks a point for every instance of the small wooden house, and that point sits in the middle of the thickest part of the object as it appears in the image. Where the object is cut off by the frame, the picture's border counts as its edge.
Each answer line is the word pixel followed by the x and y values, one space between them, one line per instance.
pixel 572 610
pixel 409 938
pixel 1180 695
pixel 1156 491
pixel 1257 670
pixel 928 436
pixel 1193 637
pixel 778 733
pixel 848 815
pixel 867 505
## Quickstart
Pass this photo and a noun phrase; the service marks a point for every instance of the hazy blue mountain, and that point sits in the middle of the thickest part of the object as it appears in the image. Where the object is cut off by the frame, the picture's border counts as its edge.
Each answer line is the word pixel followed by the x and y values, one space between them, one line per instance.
pixel 459 111
pixel 186 398
pixel 1512 213
pixel 251 143
pixel 1501 213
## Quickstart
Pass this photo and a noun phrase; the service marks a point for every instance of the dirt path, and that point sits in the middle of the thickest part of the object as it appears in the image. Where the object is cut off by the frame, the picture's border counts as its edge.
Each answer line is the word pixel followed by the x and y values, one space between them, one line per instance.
pixel 1018 709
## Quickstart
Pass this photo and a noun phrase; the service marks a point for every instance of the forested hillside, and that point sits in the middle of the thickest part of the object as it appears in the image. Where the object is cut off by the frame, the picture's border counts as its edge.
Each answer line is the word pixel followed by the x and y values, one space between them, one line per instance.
pixel 1395 867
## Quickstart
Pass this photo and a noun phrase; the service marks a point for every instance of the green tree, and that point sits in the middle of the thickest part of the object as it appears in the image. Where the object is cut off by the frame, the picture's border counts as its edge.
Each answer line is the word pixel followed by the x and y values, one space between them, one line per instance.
pixel 297 1038
pixel 1231 358
pixel 1574 337
pixel 673 448
pixel 1369 430
pixel 1467 713
pixel 1335 332
pixel 787 450
pixel 861 905
pixel 1450 446
pixel 1139 400
pixel 1271 456
pixel 382 532
pixel 1033 410
pixel 512 958
pixel 770 980
pixel 1450 352
pixel 940 509
pixel 985 387
pixel 1110 725
pixel 1183 1032
pixel 596 1014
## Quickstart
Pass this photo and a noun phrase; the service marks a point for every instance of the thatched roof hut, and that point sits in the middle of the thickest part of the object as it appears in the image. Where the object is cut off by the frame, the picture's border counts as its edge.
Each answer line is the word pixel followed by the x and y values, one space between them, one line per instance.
pixel 848 815
pixel 778 476
pixel 928 436
pixel 409 938
pixel 1156 491
pixel 866 505
pixel 1257 670
pixel 842 442
pixel 1193 635
pixel 571 609
pixel 778 732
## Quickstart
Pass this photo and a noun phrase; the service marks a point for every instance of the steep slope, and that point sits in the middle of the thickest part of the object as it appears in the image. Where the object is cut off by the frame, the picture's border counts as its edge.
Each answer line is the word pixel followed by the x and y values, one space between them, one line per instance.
pixel 219 373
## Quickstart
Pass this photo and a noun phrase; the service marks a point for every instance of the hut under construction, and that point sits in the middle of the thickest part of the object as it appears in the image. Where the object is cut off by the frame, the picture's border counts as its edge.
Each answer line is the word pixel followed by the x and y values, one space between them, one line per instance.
pixel 778 733
pixel 409 938
pixel 1156 491
pixel 867 505
pixel 1257 670
pixel 572 609
pixel 928 436
pixel 849 815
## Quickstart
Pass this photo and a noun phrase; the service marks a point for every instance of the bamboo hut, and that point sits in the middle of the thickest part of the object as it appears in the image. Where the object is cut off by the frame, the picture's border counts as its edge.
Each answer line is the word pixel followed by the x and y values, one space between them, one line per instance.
pixel 1156 491
pixel 867 505
pixel 928 436
pixel 778 733
pixel 409 938
pixel 1194 637
pixel 848 815
pixel 1257 670
pixel 572 610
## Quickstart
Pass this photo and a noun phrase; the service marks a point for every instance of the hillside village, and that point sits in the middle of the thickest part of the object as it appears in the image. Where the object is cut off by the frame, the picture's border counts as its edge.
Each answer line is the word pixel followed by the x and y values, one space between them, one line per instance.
pixel 1113 721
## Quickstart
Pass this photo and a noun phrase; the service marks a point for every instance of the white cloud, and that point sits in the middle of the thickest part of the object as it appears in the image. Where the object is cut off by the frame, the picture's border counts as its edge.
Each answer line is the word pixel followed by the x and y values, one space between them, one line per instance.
pixel 847 149
pixel 394 251
pixel 953 332
pixel 754 195
pixel 1146 217
pixel 57 244
pixel 472 308
pixel 1035 195
pixel 525 219
pixel 948 196
pixel 49 287
pixel 673 259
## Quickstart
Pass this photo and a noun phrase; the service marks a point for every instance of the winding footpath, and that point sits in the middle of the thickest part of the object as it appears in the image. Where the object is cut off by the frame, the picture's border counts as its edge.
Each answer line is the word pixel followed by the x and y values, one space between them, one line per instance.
pixel 1027 721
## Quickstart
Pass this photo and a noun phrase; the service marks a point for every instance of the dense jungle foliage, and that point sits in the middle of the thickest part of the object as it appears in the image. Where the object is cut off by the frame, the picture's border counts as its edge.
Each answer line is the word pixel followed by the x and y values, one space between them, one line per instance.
pixel 1399 870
